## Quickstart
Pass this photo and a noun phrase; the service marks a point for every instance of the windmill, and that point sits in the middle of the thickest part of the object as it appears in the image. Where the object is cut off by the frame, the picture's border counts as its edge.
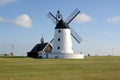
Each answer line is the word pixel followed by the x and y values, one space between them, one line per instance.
pixel 62 43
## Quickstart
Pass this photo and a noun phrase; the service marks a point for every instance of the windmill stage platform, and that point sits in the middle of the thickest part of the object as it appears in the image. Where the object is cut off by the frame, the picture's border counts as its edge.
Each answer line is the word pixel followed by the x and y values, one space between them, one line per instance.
pixel 63 55
pixel 66 55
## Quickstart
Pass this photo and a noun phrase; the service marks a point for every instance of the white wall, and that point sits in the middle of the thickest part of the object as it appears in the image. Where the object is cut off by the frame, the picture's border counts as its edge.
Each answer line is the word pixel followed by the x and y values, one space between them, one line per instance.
pixel 65 42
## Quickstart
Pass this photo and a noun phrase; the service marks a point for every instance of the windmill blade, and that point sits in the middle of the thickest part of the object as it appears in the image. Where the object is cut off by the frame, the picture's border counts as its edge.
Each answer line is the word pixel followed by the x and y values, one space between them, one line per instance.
pixel 51 40
pixel 76 36
pixel 52 18
pixel 72 16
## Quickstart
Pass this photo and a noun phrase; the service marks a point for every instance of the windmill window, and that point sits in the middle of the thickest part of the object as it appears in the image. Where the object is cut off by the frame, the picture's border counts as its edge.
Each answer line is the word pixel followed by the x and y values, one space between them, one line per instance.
pixel 58 47
pixel 59 31
pixel 58 39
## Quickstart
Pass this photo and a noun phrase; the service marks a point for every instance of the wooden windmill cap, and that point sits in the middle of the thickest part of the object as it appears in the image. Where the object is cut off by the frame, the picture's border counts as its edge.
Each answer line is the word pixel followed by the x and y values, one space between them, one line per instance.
pixel 62 25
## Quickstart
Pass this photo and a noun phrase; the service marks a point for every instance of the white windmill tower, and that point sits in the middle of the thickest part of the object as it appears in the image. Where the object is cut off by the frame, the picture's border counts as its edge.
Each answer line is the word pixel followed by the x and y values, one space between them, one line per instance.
pixel 62 43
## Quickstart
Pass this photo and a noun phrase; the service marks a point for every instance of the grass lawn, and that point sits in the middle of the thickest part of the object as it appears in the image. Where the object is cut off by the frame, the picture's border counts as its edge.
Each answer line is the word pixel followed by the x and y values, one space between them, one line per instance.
pixel 91 68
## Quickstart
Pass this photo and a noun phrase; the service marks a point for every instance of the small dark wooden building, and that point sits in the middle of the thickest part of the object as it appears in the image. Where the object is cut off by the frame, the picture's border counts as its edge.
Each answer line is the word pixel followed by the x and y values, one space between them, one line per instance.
pixel 39 49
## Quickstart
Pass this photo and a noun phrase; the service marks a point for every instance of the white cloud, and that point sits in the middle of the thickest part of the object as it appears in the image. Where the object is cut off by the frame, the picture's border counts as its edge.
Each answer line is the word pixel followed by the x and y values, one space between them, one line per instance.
pixel 2 20
pixel 23 21
pixel 82 18
pixel 4 2
pixel 115 19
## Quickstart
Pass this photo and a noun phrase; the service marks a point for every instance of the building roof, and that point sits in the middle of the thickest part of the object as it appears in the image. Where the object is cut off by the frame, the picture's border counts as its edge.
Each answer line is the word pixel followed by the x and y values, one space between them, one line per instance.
pixel 39 47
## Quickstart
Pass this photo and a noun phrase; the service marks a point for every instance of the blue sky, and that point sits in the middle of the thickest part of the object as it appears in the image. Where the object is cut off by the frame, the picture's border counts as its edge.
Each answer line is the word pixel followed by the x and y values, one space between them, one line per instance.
pixel 23 22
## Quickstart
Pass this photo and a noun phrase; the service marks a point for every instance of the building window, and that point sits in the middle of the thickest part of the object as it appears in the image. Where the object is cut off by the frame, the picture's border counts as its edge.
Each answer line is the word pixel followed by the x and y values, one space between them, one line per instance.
pixel 58 47
pixel 58 39
pixel 59 31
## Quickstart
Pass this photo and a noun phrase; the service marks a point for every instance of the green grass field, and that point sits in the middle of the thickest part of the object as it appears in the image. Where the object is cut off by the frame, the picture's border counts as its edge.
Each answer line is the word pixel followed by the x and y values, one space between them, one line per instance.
pixel 91 68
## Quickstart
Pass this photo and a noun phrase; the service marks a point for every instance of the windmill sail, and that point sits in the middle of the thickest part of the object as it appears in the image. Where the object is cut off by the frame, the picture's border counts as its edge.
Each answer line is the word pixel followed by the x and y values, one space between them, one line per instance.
pixel 72 16
pixel 76 36
pixel 52 18
pixel 51 40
